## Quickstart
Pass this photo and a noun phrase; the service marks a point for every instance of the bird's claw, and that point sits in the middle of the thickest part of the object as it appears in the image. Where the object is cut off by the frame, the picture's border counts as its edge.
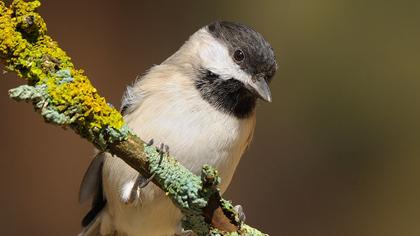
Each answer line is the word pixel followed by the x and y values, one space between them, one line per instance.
pixel 164 149
pixel 141 181
pixel 240 211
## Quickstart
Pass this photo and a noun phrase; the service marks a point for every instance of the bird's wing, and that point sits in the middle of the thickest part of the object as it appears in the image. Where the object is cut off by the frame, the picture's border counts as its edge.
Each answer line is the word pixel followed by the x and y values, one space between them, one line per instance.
pixel 91 179
pixel 92 186
pixel 251 134
pixel 131 98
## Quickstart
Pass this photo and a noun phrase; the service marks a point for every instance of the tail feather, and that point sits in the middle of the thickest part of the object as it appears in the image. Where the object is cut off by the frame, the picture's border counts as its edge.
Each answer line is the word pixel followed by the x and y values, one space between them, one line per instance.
pixel 100 226
pixel 93 229
pixel 93 213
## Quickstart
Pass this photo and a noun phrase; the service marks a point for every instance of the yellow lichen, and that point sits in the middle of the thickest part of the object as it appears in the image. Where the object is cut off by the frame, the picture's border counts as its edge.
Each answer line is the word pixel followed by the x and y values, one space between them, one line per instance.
pixel 72 99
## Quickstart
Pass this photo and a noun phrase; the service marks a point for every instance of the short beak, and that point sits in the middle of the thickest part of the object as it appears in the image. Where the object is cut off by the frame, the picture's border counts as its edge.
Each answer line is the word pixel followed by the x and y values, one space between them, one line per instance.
pixel 259 86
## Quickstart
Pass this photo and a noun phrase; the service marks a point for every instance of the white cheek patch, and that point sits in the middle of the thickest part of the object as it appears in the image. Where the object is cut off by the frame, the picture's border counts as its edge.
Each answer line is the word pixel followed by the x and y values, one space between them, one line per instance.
pixel 216 58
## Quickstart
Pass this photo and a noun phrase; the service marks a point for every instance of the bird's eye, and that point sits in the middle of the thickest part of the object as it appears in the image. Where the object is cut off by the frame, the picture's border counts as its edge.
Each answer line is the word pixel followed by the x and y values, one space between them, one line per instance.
pixel 239 55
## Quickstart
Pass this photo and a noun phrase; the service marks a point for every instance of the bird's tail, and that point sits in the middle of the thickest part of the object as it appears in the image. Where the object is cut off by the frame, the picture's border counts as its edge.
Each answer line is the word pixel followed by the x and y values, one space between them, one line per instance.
pixel 93 229
pixel 97 221
pixel 100 226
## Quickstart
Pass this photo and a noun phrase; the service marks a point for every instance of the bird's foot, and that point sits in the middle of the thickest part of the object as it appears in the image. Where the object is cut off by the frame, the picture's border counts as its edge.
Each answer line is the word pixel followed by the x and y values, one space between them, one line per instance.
pixel 131 191
pixel 240 211
pixel 163 150
pixel 150 143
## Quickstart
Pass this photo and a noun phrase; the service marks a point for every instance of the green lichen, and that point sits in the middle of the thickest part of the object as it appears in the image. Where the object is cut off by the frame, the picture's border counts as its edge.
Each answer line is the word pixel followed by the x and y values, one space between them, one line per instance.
pixel 183 187
pixel 191 194
pixel 244 230
pixel 69 97
pixel 28 93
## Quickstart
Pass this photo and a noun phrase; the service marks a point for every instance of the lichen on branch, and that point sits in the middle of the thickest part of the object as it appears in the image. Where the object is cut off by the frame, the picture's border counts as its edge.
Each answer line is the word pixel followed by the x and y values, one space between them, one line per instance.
pixel 64 96
pixel 68 98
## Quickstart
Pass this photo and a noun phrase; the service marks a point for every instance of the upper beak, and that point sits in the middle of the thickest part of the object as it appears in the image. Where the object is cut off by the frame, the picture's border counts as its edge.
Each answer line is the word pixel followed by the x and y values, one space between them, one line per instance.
pixel 259 86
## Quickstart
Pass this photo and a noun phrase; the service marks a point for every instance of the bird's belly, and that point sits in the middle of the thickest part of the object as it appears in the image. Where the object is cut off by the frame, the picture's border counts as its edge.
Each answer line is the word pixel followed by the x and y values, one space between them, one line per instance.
pixel 195 138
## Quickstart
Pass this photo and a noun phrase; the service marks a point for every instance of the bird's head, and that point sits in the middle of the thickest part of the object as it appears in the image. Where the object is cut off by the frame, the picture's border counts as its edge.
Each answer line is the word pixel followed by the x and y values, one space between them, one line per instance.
pixel 234 65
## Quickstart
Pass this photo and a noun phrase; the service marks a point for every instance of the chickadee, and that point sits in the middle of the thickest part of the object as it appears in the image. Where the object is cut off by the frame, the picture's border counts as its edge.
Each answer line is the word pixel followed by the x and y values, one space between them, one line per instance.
pixel 201 103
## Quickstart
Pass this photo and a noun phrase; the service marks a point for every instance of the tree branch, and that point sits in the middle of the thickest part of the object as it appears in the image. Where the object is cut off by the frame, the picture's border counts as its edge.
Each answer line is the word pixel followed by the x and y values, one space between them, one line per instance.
pixel 64 96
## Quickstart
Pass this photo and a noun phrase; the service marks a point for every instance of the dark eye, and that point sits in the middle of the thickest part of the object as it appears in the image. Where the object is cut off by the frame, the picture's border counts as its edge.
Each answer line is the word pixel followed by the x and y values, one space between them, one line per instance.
pixel 238 55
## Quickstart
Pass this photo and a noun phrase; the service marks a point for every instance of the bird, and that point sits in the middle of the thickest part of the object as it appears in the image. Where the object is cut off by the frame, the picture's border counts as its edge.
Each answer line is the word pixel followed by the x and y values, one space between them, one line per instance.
pixel 201 103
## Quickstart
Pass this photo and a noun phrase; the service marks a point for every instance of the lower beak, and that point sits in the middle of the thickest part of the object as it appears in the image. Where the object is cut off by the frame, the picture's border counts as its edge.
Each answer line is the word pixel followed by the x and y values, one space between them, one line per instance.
pixel 260 87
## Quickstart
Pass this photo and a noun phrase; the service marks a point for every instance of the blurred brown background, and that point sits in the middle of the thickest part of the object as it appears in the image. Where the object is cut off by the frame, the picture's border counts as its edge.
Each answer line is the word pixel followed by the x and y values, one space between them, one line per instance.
pixel 335 154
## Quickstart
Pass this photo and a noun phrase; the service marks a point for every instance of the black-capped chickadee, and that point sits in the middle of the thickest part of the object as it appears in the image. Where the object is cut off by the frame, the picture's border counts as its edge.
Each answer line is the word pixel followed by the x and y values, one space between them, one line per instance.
pixel 201 103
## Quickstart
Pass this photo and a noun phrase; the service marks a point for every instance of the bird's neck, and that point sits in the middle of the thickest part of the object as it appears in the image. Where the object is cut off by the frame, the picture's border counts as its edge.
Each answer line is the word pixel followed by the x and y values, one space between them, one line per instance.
pixel 229 96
